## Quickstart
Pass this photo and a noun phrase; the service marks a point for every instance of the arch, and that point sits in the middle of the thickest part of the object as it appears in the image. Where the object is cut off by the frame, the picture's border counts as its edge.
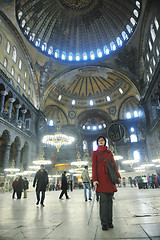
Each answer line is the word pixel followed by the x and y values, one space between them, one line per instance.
pixel 6 136
pixel 53 112
pixel 129 104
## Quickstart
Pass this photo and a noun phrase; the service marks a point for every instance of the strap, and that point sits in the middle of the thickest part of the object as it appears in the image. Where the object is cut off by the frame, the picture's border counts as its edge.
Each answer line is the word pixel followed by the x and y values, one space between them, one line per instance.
pixel 103 156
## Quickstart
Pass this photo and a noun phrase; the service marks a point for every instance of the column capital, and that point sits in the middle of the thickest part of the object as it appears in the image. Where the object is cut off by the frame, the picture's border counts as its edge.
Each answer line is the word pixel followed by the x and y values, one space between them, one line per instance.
pixel 18 106
pixel 3 93
pixel 11 100
pixel 23 111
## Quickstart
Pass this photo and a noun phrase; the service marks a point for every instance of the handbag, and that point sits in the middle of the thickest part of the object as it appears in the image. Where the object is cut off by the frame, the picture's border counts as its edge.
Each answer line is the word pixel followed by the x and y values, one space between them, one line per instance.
pixel 111 170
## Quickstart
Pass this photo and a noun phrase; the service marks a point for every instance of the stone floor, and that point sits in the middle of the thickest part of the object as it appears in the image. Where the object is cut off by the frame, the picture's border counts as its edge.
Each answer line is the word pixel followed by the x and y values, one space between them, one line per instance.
pixel 136 216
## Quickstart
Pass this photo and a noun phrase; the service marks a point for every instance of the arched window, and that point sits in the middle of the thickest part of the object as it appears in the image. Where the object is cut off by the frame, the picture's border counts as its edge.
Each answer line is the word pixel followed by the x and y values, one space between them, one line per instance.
pixel 20 64
pixel 5 62
pixel 63 56
pixel 19 79
pixel 8 47
pixel 153 34
pixel 157 51
pixel 50 51
pixel 119 41
pixel 135 12
pixel 14 55
pixel 56 53
pixel 156 23
pixel 24 86
pixel 133 21
pixel 150 45
pixel 133 138
pixel 112 46
pixel 106 50
pixel 12 71
pixel 70 57
pixel 85 146
pixel 85 56
pixel 129 29
pixel 124 35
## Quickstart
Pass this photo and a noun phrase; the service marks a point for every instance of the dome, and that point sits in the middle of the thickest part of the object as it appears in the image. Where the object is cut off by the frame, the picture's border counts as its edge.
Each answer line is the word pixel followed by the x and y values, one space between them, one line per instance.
pixel 75 31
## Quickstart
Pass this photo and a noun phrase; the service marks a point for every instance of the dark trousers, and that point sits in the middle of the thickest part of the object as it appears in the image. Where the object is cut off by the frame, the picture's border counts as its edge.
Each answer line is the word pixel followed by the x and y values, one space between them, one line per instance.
pixel 106 205
pixel 38 195
pixel 14 191
pixel 64 191
pixel 19 194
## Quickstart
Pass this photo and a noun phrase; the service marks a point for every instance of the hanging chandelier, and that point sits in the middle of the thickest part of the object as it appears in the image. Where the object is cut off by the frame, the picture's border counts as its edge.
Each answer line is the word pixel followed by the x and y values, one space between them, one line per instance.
pixel 57 140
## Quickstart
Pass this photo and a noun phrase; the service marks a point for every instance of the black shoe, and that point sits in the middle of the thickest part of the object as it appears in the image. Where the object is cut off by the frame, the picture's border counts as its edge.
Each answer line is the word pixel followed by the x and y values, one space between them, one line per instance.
pixel 90 199
pixel 37 202
pixel 42 204
pixel 110 225
pixel 85 199
pixel 67 198
pixel 60 198
pixel 104 227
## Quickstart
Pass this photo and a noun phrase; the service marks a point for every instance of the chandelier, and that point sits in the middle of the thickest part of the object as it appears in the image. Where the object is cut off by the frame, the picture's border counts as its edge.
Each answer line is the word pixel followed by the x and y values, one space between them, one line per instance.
pixel 57 140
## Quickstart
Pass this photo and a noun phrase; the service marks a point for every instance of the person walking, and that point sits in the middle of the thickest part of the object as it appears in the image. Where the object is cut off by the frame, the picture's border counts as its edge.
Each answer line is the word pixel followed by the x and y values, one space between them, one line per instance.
pixel 41 181
pixel 86 183
pixel 64 186
pixel 14 185
pixel 19 187
pixel 25 186
pixel 102 181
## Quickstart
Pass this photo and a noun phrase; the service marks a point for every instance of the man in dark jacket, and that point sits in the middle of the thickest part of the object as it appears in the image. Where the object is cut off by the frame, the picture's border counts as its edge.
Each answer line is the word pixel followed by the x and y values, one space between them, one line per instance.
pixel 41 178
pixel 64 186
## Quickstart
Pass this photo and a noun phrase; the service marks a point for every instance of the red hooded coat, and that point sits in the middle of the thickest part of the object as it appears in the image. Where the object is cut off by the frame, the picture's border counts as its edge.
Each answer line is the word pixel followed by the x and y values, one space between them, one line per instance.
pixel 100 171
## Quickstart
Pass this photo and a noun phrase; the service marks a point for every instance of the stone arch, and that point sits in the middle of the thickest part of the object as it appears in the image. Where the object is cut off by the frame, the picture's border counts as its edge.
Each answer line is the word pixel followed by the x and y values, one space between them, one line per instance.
pixel 24 154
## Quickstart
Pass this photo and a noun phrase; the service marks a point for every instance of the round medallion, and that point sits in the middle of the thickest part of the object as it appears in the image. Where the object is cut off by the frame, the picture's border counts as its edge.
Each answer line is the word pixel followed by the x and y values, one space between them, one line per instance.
pixel 116 132
pixel 72 114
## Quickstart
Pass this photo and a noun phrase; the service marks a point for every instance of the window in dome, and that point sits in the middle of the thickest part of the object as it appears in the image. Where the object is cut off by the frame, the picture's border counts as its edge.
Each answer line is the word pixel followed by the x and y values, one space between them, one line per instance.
pixel 104 125
pixel 132 129
pixel 119 41
pixel 70 57
pixel 91 102
pixel 20 64
pixel 85 145
pixel 106 50
pixel 154 62
pixel 88 127
pixel 112 46
pixel 85 56
pixel 14 55
pixel 153 34
pixel 59 97
pixel 147 56
pixel 23 23
pixel 73 102
pixel 32 37
pixel 63 56
pixel 124 35
pixel 25 74
pixel 51 123
pixel 94 128
pixel 133 21
pixel 84 127
pixel 135 114
pixel 5 63
pixel 24 86
pixel 77 57
pixel 20 14
pixel 19 79
pixel 136 155
pixel 8 47
pixel 50 50
pixel 44 46
pixel 157 51
pixel 29 91
pixel 100 127
pixel 38 42
pixel 27 30
pixel 56 54
pixel 128 115
pixel 150 69
pixel 135 12
pixel 108 98
pixel 156 23
pixel 150 45
pixel 12 71
pixel 138 4
pixel 129 29
pixel 133 137
pixel 120 90
pixel 92 56
pixel 99 53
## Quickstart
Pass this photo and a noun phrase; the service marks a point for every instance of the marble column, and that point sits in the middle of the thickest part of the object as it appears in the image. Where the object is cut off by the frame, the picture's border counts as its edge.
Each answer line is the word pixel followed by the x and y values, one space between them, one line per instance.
pixel 18 106
pixel 3 94
pixel 6 156
pixel 11 101
pixel 23 117
pixel 17 158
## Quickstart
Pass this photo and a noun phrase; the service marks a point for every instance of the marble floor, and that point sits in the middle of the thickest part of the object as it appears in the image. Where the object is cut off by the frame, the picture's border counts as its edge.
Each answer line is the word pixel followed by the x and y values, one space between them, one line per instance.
pixel 136 216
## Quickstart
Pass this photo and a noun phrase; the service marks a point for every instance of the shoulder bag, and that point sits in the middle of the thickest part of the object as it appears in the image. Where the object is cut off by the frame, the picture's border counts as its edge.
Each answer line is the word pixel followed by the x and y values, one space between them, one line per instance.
pixel 111 170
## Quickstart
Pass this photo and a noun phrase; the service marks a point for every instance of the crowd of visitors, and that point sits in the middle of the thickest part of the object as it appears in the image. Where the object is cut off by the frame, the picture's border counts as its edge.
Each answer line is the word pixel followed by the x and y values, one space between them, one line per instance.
pixel 20 185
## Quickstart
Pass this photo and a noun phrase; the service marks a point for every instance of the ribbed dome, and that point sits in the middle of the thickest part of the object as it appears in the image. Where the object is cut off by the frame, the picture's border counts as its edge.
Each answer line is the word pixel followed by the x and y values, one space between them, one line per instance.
pixel 72 31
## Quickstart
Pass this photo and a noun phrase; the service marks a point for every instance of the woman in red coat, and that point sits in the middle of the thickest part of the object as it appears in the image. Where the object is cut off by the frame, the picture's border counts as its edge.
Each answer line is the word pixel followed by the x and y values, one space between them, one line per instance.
pixel 102 181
